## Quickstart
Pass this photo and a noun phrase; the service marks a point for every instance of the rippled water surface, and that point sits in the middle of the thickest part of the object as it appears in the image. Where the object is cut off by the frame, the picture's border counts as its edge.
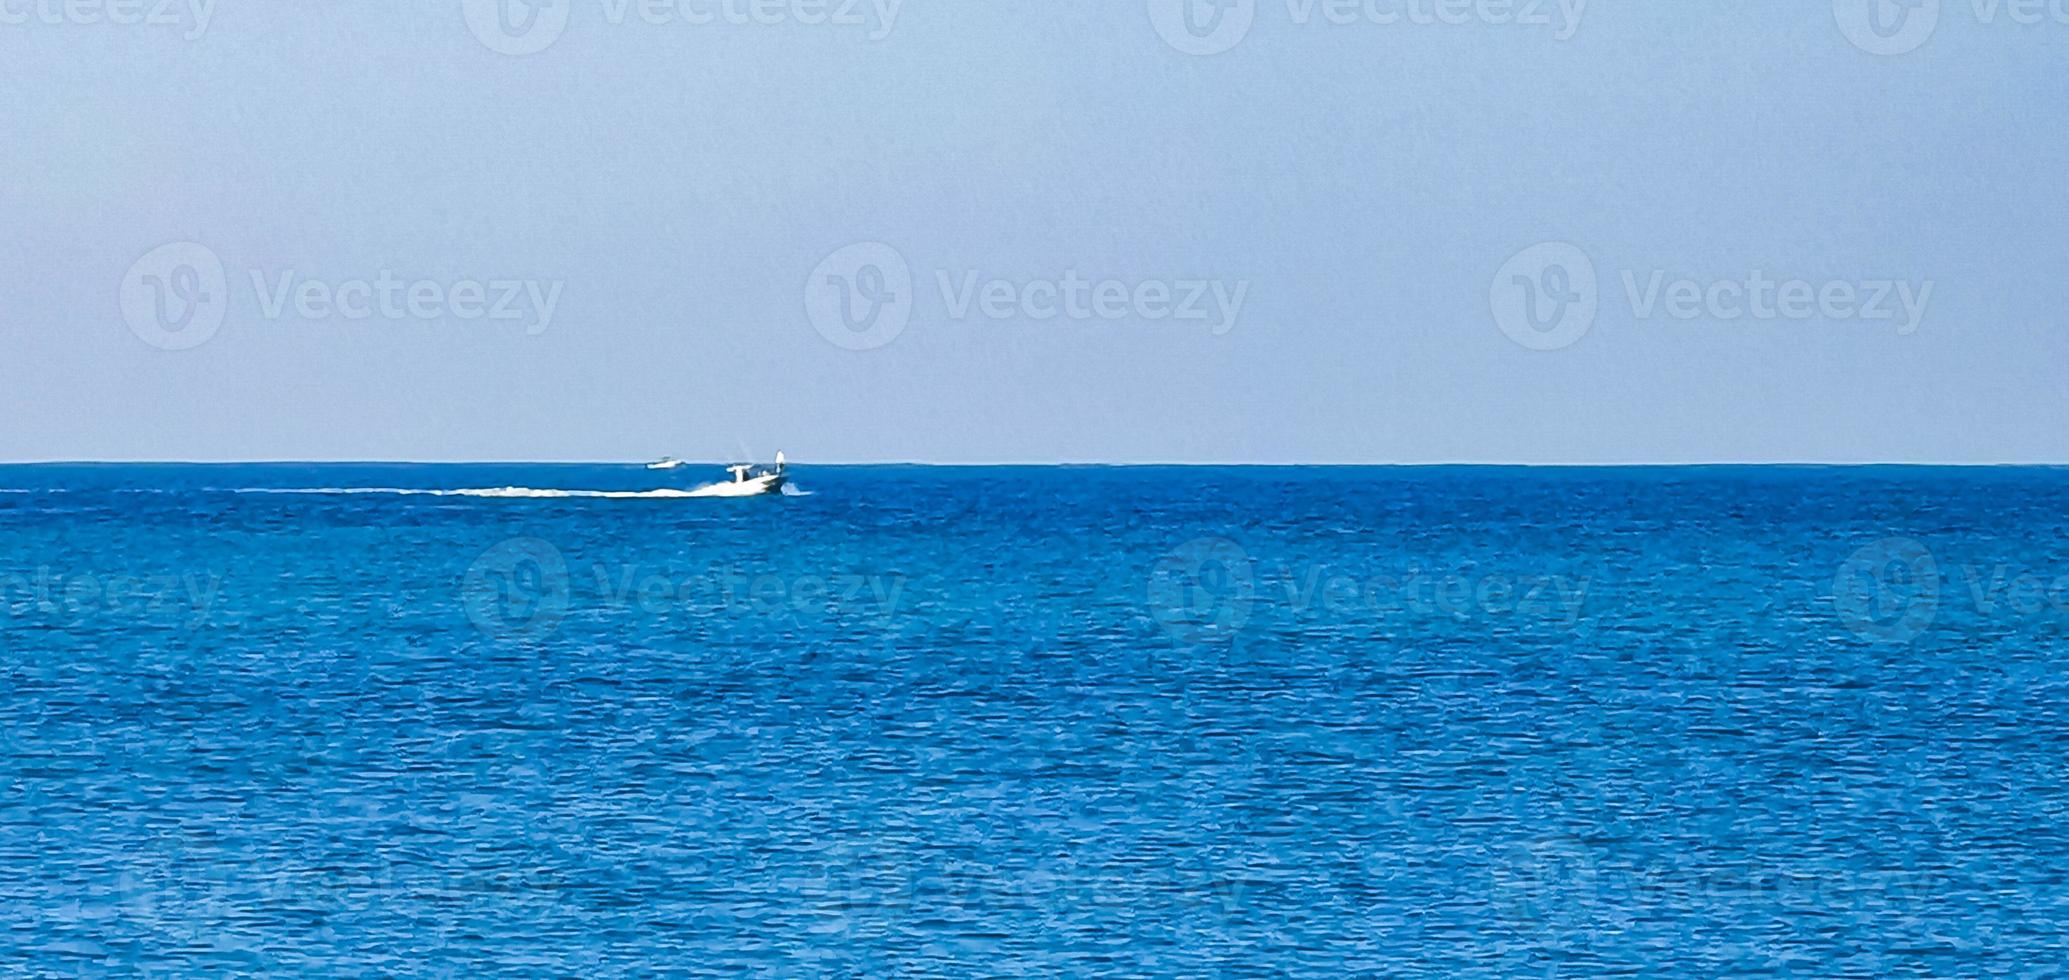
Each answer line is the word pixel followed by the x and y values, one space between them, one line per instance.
pixel 1034 722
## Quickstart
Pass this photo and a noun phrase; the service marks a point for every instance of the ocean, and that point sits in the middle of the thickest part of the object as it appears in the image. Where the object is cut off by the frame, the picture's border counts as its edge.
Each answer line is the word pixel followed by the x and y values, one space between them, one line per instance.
pixel 406 720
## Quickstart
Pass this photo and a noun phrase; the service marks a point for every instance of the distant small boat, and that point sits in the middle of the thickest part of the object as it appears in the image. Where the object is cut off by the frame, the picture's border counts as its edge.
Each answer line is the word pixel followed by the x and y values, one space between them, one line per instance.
pixel 667 463
pixel 748 480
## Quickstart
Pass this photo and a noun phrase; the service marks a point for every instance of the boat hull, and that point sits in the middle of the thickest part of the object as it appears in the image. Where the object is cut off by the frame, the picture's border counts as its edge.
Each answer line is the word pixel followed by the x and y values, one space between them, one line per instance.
pixel 755 487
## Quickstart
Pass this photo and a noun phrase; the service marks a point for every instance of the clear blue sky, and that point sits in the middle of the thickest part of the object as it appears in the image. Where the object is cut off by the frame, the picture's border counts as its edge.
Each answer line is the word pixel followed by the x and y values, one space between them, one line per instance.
pixel 1355 189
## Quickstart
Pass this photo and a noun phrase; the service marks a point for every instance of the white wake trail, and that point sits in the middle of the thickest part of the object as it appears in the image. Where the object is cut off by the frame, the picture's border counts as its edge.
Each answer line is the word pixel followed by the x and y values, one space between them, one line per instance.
pixel 520 493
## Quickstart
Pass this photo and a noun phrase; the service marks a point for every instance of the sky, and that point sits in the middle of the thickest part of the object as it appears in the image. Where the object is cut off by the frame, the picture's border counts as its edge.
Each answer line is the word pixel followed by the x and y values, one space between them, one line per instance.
pixel 1198 231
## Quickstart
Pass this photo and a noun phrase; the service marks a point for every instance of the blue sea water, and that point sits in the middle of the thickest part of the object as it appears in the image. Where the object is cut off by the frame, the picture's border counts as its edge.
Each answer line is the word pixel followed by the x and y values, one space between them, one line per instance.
pixel 957 722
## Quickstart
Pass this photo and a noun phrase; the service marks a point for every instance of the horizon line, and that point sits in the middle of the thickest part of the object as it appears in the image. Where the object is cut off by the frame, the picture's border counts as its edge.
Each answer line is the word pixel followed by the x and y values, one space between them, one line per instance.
pixel 1394 464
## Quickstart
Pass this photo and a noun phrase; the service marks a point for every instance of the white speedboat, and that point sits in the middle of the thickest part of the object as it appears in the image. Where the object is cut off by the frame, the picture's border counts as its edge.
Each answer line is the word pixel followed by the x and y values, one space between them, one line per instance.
pixel 748 480
pixel 667 463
